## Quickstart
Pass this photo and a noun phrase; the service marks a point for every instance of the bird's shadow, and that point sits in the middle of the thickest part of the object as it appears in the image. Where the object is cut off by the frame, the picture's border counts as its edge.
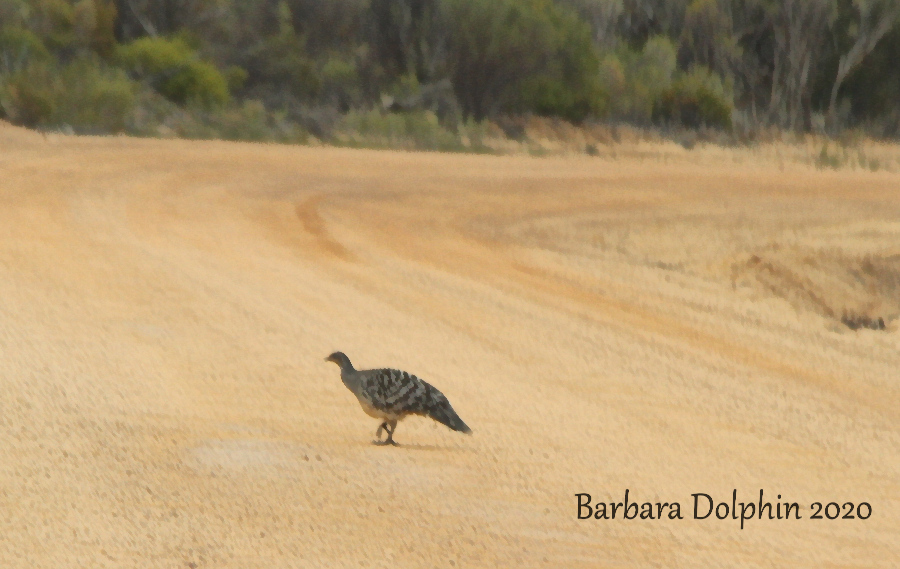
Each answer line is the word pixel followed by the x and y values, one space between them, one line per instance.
pixel 413 446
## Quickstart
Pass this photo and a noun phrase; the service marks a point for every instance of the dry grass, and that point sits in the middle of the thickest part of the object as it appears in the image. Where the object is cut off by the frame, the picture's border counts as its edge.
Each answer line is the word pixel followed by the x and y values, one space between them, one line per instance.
pixel 553 137
pixel 662 320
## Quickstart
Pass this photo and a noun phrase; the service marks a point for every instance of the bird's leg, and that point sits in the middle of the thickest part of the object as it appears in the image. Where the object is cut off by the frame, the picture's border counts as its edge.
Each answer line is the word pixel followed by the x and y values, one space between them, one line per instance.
pixel 390 439
pixel 388 427
pixel 378 432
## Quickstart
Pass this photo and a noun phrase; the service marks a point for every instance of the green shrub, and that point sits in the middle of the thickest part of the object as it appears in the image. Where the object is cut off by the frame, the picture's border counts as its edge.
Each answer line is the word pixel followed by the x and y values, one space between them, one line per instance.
pixel 19 46
pixel 697 98
pixel 512 56
pixel 28 96
pixel 53 21
pixel 197 82
pixel 280 60
pixel 85 95
pixel 419 130
pixel 612 77
pixel 94 24
pixel 249 121
pixel 175 70
pixel 236 77
pixel 340 82
pixel 569 85
pixel 95 98
pixel 637 79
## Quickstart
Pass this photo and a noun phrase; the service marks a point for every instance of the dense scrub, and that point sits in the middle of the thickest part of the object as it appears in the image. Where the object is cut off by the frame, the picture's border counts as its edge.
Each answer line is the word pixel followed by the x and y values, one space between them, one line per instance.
pixel 288 69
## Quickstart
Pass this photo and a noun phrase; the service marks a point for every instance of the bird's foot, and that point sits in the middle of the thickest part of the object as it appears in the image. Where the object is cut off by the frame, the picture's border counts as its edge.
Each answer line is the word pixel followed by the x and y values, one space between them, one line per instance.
pixel 389 429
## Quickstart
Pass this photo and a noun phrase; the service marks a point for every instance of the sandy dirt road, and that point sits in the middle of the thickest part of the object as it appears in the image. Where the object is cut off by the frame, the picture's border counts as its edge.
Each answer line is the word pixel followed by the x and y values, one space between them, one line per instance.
pixel 669 326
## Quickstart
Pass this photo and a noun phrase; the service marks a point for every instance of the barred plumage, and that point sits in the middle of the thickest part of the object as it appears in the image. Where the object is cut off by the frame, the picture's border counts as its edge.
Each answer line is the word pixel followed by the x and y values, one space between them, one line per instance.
pixel 391 395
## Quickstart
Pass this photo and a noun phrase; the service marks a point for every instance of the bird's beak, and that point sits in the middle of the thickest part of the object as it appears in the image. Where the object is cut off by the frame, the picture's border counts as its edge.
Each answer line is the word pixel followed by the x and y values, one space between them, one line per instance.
pixel 327 359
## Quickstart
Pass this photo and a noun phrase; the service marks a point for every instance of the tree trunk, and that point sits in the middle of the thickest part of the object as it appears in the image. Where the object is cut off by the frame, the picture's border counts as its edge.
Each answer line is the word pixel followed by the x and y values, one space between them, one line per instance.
pixel 799 28
pixel 874 24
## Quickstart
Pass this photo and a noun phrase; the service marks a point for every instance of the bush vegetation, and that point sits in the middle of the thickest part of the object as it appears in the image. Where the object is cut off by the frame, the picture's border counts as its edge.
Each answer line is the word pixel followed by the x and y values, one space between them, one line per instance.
pixel 173 69
pixel 429 73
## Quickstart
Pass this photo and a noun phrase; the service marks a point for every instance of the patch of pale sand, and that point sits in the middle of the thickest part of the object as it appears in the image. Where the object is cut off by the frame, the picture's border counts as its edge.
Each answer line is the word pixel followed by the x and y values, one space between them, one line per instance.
pixel 167 306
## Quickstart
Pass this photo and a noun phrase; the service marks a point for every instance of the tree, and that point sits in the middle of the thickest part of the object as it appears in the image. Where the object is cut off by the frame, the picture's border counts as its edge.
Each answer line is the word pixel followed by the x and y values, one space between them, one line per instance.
pixel 520 56
pixel 138 18
pixel 280 61
pixel 643 19
pixel 752 24
pixel 799 28
pixel 876 18
pixel 409 37
pixel 706 38
pixel 602 16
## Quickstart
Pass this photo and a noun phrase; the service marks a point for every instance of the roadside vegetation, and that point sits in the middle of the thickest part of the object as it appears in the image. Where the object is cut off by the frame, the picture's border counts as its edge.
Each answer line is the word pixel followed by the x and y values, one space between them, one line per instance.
pixel 455 75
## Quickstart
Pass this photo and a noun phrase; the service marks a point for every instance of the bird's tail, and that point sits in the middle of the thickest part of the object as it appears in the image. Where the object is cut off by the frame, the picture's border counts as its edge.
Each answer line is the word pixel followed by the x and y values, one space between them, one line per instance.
pixel 445 415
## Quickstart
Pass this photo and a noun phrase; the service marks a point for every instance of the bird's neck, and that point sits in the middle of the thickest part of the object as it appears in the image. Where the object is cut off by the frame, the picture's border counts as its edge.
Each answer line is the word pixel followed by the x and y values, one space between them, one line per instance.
pixel 350 378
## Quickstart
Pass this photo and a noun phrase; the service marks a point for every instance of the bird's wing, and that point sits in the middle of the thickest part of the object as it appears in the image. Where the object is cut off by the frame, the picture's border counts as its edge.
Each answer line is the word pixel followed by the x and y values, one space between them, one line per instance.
pixel 398 392
pixel 393 391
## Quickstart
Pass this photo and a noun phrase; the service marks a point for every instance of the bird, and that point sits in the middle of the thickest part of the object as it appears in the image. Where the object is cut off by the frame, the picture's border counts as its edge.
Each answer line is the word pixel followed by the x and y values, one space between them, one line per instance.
pixel 390 395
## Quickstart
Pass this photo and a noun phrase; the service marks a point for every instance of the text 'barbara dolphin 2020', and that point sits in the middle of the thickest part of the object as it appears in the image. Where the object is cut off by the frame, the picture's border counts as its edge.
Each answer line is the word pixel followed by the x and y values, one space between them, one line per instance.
pixel 705 507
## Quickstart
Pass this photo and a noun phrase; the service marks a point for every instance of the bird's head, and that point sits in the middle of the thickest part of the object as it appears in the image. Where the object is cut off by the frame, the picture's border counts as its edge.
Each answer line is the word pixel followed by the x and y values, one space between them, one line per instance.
pixel 341 360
